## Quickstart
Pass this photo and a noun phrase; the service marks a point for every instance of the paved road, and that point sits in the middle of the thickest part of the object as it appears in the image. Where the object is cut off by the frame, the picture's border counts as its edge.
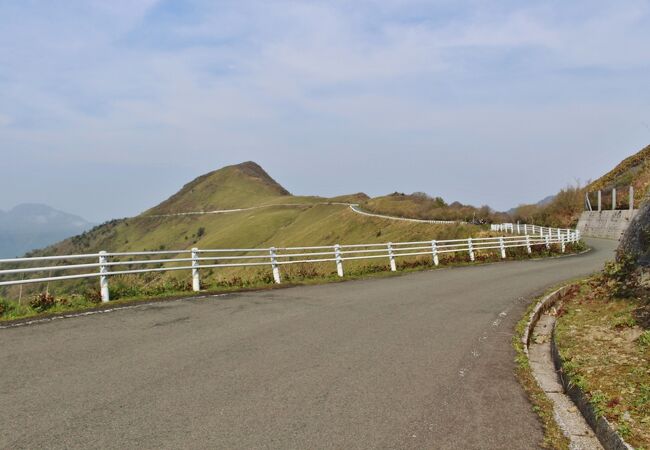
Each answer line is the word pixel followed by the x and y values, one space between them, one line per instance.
pixel 418 361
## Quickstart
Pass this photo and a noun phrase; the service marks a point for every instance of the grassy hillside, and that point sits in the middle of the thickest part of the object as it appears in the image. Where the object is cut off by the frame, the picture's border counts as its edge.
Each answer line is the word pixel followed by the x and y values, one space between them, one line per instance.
pixel 562 211
pixel 273 218
pixel 239 186
pixel 634 171
pixel 421 206
pixel 567 206
pixel 281 225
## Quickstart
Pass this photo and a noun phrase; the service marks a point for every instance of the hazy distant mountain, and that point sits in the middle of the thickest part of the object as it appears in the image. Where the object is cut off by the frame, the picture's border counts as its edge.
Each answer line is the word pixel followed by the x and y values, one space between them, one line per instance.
pixel 543 202
pixel 30 226
pixel 546 200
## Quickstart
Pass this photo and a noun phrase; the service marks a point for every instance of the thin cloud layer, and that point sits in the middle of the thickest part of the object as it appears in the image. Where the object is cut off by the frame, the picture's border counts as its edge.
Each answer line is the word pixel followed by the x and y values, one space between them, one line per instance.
pixel 497 104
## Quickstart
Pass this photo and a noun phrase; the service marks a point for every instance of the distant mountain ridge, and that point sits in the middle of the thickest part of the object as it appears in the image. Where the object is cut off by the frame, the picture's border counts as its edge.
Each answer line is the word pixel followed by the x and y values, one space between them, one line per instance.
pixel 31 226
pixel 543 202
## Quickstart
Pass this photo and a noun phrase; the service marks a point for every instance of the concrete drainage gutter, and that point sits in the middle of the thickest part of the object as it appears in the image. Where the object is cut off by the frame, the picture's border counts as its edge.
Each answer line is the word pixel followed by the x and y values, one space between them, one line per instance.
pixel 607 436
pixel 572 410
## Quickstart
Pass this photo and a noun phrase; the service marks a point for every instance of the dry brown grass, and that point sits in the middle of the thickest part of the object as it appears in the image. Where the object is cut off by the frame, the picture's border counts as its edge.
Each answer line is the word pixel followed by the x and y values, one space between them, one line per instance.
pixel 607 354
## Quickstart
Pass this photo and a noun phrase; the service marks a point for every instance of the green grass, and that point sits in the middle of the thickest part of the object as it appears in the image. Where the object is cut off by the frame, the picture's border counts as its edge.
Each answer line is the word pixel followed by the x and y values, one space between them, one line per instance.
pixel 607 354
pixel 277 226
pixel 238 186
pixel 149 287
pixel 285 220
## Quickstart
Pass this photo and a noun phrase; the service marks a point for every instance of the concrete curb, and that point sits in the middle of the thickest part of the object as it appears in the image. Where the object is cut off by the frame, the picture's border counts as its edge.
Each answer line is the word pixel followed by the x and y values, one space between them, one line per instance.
pixel 603 430
pixel 540 308
pixel 606 434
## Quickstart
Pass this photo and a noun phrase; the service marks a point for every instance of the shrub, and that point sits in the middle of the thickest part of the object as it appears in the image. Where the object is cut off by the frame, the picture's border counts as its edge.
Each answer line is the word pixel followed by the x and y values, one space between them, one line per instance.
pixel 93 295
pixel 42 302
pixel 622 276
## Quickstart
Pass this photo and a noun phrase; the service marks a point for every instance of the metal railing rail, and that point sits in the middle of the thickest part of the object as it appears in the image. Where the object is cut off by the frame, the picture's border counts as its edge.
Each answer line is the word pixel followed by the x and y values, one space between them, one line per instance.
pixel 103 265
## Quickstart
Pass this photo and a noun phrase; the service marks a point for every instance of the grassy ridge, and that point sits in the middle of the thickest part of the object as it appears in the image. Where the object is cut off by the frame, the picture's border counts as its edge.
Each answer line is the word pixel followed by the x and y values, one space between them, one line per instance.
pixel 421 206
pixel 565 208
pixel 238 186
pixel 634 170
pixel 315 224
pixel 278 219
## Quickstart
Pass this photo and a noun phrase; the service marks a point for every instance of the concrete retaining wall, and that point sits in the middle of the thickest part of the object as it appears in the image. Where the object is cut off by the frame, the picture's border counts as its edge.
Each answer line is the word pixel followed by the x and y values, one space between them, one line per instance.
pixel 605 224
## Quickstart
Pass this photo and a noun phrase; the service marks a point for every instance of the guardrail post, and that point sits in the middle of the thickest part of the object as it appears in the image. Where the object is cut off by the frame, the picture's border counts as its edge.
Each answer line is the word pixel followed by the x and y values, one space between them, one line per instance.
pixel 196 280
pixel 559 234
pixel 103 279
pixel 434 252
pixel 548 242
pixel 339 260
pixel 563 244
pixel 503 247
pixel 518 230
pixel 528 249
pixel 391 256
pixel 274 266
pixel 470 248
pixel 600 201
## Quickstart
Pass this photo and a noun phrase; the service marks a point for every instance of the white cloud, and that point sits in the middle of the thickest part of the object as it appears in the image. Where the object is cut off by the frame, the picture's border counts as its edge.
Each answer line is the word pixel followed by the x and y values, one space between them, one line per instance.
pixel 108 82
pixel 5 120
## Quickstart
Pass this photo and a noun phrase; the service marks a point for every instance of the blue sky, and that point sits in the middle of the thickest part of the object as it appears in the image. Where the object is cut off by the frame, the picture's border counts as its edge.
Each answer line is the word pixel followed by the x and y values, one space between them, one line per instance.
pixel 108 107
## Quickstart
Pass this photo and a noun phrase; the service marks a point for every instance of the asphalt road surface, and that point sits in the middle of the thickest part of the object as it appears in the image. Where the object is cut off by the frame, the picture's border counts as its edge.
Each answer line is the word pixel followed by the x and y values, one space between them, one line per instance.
pixel 417 361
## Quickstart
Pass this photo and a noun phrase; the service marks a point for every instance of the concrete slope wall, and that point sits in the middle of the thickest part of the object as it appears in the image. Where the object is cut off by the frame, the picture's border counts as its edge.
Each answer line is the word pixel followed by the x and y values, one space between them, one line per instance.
pixel 605 224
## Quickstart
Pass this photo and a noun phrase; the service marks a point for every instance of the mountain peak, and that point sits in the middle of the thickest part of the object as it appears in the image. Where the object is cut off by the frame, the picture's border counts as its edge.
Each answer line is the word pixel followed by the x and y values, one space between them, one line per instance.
pixel 236 186
pixel 254 170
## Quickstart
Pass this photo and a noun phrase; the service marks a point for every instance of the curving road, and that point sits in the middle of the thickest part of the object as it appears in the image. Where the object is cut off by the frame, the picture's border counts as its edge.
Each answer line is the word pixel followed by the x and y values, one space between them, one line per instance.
pixel 417 361
pixel 356 209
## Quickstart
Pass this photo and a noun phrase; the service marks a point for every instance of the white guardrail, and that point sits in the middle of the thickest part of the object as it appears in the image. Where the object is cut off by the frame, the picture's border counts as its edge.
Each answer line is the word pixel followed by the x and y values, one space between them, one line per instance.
pixel 104 264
